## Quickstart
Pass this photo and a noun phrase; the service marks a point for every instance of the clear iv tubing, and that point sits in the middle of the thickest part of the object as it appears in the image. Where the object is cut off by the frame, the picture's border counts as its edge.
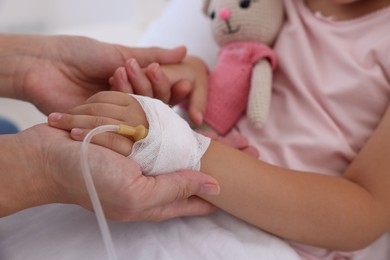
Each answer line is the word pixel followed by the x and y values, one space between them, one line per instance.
pixel 102 222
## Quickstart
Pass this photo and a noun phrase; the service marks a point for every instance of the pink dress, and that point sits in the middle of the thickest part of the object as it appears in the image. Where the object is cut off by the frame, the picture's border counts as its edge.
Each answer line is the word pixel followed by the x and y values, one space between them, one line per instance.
pixel 230 81
pixel 327 98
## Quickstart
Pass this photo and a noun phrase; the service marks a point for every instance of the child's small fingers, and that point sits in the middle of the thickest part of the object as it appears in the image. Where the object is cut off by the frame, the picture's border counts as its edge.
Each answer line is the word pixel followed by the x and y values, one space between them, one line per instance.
pixel 138 80
pixel 68 122
pixel 111 82
pixel 180 91
pixel 112 141
pixel 197 102
pixel 160 82
pixel 132 114
pixel 120 82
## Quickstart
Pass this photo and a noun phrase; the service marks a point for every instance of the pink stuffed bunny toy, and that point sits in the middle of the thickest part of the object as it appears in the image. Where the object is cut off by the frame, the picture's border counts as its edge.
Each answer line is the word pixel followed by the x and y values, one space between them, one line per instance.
pixel 242 79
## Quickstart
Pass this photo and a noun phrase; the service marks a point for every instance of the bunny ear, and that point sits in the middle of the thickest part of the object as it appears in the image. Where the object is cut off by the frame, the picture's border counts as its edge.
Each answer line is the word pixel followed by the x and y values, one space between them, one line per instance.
pixel 206 6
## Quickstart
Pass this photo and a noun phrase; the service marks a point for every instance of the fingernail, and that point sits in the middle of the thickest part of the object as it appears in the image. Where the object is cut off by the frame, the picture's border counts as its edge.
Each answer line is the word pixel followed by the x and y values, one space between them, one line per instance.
pixel 209 189
pixel 135 67
pixel 199 117
pixel 157 72
pixel 123 74
pixel 76 131
pixel 55 117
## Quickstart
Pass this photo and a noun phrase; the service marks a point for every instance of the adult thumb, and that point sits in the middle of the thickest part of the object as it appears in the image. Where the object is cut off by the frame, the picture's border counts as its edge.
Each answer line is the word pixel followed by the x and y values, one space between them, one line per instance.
pixel 184 184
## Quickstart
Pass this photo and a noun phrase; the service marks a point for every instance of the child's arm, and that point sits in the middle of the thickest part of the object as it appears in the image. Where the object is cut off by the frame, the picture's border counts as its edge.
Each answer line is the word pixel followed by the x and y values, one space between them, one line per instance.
pixel 344 213
pixel 171 83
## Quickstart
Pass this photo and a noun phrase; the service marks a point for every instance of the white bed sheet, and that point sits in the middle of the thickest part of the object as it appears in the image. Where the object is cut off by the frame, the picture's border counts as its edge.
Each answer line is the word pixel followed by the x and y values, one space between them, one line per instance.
pixel 65 232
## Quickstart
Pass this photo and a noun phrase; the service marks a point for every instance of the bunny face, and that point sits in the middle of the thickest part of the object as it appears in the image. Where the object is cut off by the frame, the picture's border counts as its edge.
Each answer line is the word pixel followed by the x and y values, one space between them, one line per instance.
pixel 245 20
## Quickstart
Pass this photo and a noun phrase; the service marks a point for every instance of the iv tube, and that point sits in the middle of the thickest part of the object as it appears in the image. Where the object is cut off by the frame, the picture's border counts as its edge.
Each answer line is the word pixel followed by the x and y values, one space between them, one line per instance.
pixel 102 222
pixel 137 133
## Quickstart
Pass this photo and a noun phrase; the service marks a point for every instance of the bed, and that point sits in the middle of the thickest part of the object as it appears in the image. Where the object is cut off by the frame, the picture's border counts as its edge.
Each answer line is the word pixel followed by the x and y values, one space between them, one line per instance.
pixel 71 232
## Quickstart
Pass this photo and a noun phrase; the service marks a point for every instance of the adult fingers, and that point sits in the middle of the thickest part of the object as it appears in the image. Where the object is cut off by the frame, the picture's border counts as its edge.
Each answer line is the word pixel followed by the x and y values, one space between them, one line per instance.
pixel 146 56
pixel 182 185
pixel 167 196
pixel 193 206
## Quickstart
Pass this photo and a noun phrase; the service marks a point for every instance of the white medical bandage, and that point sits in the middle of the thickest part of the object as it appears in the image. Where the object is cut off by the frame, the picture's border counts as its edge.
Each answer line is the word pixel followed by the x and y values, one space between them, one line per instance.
pixel 170 145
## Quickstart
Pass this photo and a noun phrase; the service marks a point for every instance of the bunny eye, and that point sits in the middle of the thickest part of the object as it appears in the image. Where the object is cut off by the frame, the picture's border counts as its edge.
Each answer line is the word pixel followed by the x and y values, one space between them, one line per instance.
pixel 245 3
pixel 212 15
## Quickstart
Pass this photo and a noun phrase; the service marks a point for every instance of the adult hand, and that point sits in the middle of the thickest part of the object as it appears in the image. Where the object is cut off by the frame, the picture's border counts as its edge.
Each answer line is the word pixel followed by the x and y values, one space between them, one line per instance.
pixel 49 172
pixel 56 73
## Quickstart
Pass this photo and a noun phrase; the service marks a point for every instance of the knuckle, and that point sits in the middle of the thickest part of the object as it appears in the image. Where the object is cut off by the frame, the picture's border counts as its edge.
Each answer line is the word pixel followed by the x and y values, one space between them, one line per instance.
pixel 184 191
pixel 97 97
pixel 98 121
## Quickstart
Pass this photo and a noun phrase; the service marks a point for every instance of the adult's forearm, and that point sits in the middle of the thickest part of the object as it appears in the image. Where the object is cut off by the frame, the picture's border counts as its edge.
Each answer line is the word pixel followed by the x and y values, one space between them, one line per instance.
pixel 17 53
pixel 22 185
pixel 310 208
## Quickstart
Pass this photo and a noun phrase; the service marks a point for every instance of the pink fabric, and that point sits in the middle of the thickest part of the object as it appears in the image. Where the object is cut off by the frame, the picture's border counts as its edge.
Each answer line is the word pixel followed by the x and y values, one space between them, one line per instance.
pixel 229 82
pixel 330 91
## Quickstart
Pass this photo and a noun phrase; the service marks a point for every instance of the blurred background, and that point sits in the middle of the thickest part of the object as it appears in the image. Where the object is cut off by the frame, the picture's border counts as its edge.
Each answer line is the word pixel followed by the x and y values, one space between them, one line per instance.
pixel 116 21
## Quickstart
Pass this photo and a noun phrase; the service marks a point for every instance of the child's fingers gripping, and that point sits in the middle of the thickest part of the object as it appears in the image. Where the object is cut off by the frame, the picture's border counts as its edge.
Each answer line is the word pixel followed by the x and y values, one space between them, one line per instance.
pixel 80 125
pixel 137 78
pixel 197 102
pixel 160 82
pixel 112 141
pixel 120 82
pixel 68 121
pixel 180 91
pixel 106 113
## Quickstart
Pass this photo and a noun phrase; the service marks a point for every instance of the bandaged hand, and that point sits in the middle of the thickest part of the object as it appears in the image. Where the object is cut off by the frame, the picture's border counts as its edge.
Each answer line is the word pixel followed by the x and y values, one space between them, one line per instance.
pixel 171 145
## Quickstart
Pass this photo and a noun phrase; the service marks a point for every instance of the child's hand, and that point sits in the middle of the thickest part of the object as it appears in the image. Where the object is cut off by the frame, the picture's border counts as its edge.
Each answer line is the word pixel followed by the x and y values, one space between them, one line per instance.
pixel 104 108
pixel 169 136
pixel 171 84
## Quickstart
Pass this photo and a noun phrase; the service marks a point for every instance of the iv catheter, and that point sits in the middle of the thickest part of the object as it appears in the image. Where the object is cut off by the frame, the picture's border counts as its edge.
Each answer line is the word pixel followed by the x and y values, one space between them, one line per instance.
pixel 136 133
